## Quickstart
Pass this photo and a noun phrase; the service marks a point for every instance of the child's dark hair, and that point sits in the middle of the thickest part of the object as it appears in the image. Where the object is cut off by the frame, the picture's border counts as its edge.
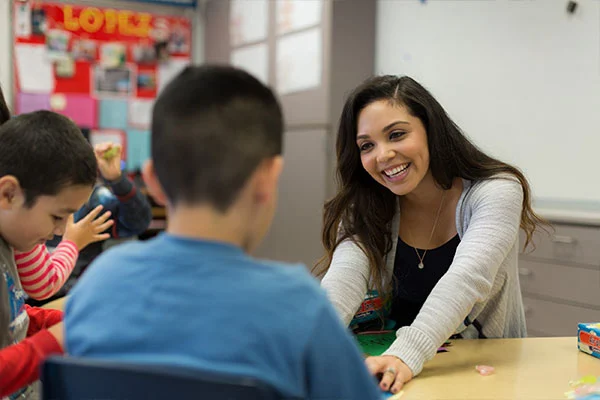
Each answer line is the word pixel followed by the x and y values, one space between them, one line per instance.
pixel 45 151
pixel 211 127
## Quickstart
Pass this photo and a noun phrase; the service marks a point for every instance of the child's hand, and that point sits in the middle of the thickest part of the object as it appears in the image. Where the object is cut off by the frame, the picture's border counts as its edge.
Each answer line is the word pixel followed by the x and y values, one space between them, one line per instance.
pixel 108 156
pixel 89 229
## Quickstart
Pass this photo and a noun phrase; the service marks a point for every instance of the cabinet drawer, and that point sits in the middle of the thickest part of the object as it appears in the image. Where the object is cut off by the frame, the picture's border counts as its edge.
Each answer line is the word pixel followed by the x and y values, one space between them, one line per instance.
pixel 554 319
pixel 580 285
pixel 575 244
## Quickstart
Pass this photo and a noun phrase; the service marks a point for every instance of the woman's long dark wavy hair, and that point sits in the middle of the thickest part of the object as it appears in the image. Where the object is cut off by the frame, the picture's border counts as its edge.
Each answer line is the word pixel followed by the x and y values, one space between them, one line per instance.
pixel 363 209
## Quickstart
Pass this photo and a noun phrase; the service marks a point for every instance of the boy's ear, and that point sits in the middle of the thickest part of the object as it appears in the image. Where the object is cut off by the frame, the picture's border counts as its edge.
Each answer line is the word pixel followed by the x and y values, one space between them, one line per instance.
pixel 152 183
pixel 10 192
pixel 269 172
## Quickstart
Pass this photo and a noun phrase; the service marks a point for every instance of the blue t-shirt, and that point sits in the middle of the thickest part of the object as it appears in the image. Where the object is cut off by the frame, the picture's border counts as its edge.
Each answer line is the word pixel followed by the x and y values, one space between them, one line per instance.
pixel 208 305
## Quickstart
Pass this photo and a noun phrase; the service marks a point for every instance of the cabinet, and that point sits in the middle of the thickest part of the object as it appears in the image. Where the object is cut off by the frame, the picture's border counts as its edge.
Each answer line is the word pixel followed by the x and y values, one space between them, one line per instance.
pixel 560 279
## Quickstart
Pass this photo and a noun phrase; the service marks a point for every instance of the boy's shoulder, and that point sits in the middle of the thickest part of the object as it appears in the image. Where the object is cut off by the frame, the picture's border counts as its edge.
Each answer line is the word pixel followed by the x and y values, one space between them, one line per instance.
pixel 273 276
pixel 289 271
pixel 291 283
pixel 161 248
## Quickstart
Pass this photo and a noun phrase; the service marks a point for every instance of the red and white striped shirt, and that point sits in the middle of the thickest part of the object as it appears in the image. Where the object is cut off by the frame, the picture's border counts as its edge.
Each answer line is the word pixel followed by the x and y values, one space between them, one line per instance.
pixel 43 273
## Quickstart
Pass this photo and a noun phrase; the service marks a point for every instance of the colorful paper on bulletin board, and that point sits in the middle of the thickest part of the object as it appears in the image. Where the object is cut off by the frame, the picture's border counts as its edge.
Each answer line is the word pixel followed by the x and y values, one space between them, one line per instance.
pixel 113 114
pixel 80 108
pixel 79 83
pixel 28 102
pixel 140 113
pixel 138 148
pixel 34 70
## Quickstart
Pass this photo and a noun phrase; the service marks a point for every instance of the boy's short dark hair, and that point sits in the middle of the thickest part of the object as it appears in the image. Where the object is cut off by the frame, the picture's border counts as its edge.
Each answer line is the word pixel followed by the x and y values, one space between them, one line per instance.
pixel 211 127
pixel 46 152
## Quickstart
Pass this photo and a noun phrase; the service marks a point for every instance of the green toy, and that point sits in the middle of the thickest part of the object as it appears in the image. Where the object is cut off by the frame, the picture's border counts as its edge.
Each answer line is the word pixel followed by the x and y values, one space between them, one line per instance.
pixel 110 153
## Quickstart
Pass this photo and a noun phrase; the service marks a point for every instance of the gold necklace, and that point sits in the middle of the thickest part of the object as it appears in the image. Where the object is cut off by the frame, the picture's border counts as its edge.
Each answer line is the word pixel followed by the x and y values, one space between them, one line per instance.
pixel 421 258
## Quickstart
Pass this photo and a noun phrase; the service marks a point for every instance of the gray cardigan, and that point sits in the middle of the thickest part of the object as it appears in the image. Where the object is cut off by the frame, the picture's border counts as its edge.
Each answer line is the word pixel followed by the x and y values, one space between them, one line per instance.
pixel 482 282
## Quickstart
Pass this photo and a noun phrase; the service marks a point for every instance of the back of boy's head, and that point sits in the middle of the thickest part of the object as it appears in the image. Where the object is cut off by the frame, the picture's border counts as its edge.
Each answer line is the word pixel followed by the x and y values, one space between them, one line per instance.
pixel 46 152
pixel 211 127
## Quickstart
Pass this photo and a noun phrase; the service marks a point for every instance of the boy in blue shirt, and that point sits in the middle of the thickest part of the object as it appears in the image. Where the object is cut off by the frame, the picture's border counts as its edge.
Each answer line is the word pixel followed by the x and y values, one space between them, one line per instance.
pixel 193 297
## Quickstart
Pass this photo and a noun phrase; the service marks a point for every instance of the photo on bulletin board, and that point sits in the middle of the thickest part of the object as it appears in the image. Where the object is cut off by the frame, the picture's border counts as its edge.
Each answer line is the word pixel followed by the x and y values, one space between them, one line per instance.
pixel 162 51
pixel 84 50
pixel 179 39
pixel 144 53
pixel 64 67
pixel 57 43
pixel 39 24
pixel 113 82
pixel 174 36
pixel 146 80
pixel 112 55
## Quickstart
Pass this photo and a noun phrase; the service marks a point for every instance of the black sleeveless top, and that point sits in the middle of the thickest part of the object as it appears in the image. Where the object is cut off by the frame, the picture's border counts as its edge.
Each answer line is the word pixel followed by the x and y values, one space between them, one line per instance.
pixel 412 285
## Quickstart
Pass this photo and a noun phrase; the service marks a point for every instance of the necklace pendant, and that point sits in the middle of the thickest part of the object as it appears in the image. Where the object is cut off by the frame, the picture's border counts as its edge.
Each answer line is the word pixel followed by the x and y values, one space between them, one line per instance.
pixel 421 265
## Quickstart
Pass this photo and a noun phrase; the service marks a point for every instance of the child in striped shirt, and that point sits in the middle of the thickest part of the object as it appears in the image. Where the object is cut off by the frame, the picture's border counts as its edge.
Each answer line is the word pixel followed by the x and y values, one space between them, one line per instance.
pixel 42 273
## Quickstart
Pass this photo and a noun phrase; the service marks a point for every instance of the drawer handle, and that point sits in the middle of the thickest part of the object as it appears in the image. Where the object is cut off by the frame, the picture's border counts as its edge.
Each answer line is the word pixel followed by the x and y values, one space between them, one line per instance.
pixel 564 240
pixel 525 272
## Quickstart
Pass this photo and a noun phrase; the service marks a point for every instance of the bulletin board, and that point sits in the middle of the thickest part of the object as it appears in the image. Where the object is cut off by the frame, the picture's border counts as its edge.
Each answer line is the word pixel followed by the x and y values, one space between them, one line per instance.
pixel 101 67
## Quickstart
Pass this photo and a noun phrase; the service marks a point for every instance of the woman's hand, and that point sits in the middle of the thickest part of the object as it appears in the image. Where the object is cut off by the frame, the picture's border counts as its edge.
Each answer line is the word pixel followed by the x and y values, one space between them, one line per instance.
pixel 394 373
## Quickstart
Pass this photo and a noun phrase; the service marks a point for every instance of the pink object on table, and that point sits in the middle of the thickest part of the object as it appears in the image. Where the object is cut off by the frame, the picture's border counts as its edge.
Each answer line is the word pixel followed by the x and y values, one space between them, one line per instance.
pixel 484 370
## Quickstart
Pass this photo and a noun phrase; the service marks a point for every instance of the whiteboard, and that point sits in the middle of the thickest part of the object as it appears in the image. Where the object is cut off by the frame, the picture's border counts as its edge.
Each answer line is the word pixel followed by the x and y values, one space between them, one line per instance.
pixel 520 77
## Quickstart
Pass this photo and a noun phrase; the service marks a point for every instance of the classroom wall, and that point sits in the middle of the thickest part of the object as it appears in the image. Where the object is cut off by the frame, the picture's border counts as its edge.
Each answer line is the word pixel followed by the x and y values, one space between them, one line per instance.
pixel 522 78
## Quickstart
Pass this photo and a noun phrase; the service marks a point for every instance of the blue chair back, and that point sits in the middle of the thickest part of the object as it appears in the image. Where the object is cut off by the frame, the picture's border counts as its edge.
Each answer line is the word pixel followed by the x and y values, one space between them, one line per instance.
pixel 68 378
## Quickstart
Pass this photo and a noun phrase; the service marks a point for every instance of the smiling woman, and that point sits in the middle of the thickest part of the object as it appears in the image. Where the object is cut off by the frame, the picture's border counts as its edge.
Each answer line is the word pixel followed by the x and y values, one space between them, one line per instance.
pixel 422 236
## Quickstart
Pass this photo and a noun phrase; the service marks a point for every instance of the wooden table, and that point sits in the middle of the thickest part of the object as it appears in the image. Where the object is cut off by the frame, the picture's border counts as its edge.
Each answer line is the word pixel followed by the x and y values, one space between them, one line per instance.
pixel 58 304
pixel 528 369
